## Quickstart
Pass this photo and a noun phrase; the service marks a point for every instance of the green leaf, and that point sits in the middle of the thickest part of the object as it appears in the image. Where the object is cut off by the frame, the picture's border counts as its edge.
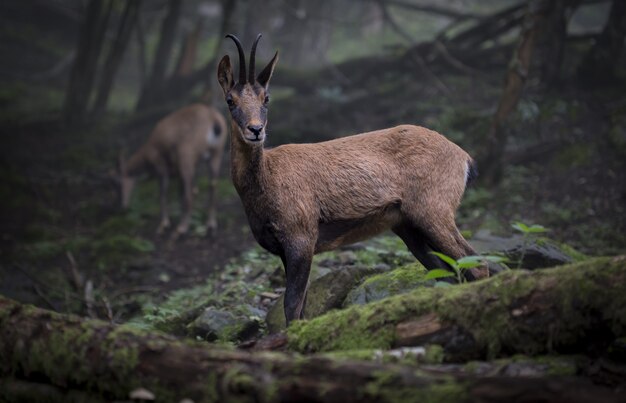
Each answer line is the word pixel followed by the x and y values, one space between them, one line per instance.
pixel 520 226
pixel 445 258
pixel 495 258
pixel 438 273
pixel 469 265
pixel 471 259
pixel 537 228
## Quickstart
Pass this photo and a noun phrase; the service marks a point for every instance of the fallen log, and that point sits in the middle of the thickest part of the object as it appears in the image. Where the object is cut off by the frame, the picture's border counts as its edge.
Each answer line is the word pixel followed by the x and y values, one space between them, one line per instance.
pixel 45 356
pixel 579 307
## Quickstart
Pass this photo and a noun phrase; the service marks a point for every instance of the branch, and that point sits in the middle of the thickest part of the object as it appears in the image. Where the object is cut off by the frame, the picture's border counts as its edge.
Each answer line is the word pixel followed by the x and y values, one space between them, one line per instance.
pixel 60 356
pixel 427 8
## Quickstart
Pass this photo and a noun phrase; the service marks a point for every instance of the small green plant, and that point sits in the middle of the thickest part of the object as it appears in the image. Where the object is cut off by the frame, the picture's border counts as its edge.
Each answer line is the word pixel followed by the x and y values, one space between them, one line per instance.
pixel 528 232
pixel 460 266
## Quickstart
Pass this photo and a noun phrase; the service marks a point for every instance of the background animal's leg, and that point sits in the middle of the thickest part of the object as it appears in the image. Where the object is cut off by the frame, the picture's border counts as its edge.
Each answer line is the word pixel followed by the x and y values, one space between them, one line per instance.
pixel 214 170
pixel 186 176
pixel 297 261
pixel 164 180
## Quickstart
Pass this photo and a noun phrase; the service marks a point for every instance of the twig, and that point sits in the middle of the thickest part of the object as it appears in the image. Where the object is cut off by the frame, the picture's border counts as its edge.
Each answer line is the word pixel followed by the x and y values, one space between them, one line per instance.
pixel 454 62
pixel 76 278
pixel 89 299
pixel 45 298
pixel 417 58
pixel 131 290
pixel 107 307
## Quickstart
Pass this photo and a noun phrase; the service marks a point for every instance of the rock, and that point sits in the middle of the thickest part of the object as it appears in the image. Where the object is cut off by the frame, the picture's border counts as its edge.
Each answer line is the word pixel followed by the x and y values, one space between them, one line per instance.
pixel 141 394
pixel 325 293
pixel 214 324
pixel 537 253
pixel 398 281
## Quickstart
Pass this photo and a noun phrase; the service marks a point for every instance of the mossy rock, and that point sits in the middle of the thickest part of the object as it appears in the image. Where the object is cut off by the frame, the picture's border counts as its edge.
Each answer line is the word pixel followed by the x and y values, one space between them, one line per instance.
pixel 216 324
pixel 398 281
pixel 325 293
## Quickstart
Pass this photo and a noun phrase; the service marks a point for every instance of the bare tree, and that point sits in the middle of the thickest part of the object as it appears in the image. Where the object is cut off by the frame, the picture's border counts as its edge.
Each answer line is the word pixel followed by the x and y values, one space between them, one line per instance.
pixel 114 58
pixel 83 73
pixel 492 159
pixel 162 56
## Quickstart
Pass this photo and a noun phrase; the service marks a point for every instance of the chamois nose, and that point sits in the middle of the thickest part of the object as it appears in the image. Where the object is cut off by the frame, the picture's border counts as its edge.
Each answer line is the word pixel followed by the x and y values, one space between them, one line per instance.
pixel 256 129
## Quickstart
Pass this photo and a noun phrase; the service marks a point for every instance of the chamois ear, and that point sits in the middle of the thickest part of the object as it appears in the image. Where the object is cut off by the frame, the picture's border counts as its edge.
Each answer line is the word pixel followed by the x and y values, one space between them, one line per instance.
pixel 264 77
pixel 225 74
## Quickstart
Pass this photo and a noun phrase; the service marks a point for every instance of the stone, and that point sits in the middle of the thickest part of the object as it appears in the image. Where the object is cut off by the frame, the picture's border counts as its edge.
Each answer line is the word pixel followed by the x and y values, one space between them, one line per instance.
pixel 215 324
pixel 536 253
pixel 398 281
pixel 325 293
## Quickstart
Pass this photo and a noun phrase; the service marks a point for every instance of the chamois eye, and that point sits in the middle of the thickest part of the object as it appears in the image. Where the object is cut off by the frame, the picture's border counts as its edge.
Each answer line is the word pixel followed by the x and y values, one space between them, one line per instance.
pixel 267 99
pixel 230 102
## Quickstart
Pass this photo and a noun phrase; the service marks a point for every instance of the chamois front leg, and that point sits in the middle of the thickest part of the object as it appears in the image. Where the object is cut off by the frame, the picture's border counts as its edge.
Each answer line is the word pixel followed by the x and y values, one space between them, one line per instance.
pixel 297 258
pixel 186 176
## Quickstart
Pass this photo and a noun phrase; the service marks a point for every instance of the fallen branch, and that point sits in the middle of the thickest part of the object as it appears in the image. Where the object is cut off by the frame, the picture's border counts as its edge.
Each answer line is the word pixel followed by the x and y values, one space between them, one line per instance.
pixel 65 358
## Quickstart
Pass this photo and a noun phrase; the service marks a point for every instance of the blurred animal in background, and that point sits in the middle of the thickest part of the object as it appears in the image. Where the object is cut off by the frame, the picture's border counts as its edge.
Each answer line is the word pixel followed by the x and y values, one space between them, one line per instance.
pixel 176 145
pixel 303 199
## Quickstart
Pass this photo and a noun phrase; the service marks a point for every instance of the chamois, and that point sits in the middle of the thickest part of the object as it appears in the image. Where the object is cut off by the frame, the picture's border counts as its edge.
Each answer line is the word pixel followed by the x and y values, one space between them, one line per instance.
pixel 176 144
pixel 302 199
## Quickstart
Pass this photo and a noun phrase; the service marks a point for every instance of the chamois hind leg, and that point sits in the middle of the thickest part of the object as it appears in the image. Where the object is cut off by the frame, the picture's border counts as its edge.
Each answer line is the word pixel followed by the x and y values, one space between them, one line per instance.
pixel 164 179
pixel 297 258
pixel 444 236
pixel 165 219
pixel 416 243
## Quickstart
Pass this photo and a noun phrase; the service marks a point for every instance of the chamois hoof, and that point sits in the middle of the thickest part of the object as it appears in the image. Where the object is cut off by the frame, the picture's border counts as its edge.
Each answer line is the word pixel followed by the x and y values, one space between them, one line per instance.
pixel 211 230
pixel 163 226
pixel 178 234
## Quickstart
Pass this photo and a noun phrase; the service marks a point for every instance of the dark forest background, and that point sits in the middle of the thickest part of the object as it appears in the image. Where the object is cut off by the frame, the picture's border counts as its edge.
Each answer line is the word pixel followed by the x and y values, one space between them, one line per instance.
pixel 534 90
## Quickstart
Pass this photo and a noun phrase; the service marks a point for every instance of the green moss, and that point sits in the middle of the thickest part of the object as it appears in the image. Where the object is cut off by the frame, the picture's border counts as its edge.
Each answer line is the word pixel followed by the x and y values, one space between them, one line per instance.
pixel 384 388
pixel 398 281
pixel 344 330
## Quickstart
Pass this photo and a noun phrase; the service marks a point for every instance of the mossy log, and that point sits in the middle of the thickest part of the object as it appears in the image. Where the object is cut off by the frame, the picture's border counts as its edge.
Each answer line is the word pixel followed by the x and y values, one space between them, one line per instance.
pixel 578 307
pixel 46 356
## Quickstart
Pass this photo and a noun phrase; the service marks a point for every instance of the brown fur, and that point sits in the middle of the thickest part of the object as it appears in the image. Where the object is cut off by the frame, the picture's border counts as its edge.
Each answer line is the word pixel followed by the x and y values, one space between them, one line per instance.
pixel 302 199
pixel 176 144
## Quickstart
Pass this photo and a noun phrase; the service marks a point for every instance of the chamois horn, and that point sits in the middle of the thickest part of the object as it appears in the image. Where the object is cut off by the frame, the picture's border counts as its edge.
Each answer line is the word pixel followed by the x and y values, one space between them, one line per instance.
pixel 242 59
pixel 251 77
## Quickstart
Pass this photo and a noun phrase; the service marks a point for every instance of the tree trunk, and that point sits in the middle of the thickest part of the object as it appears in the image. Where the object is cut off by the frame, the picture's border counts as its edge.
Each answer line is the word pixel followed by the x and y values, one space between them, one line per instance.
pixel 573 308
pixel 598 66
pixel 89 46
pixel 125 29
pixel 187 57
pixel 162 56
pixel 60 358
pixel 491 162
